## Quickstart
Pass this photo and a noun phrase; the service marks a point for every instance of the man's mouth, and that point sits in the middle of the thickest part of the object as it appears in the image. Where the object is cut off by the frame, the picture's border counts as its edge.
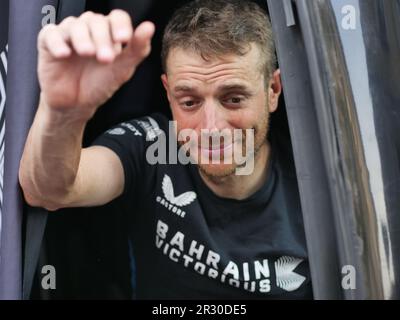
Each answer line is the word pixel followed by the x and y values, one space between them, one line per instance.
pixel 216 150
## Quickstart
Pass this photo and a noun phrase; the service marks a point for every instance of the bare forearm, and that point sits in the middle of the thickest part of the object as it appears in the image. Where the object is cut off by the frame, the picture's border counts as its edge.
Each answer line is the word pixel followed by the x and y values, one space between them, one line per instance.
pixel 81 63
pixel 51 157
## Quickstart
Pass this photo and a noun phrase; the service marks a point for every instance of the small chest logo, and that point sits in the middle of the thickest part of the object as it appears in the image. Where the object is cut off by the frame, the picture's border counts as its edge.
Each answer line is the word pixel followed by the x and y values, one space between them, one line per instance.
pixel 286 278
pixel 175 203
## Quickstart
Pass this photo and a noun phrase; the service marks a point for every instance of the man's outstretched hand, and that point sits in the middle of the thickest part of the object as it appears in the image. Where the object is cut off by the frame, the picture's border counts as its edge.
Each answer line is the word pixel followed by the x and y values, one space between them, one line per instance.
pixel 84 60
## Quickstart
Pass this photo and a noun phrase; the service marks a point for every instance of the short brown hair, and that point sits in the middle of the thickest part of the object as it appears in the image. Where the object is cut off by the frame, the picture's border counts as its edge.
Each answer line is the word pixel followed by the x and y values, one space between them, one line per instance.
pixel 217 27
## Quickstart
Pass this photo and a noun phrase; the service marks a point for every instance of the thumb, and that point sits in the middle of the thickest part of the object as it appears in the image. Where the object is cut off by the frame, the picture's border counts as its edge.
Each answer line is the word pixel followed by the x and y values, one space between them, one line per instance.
pixel 139 46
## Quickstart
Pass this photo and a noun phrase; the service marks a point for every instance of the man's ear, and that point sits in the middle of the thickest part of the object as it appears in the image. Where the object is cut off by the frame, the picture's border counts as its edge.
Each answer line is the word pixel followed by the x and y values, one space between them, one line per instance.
pixel 274 90
pixel 164 80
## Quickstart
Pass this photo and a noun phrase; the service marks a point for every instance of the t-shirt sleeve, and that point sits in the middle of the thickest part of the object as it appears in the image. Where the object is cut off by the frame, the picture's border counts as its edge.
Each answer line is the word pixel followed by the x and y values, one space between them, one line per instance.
pixel 129 140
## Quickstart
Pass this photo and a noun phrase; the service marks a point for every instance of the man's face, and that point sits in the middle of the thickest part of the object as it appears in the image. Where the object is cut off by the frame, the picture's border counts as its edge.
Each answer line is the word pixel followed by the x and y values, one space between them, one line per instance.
pixel 221 95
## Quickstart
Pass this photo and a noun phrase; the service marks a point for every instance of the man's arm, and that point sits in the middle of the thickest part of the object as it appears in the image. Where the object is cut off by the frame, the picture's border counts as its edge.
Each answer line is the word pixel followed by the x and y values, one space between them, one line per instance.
pixel 81 64
pixel 56 173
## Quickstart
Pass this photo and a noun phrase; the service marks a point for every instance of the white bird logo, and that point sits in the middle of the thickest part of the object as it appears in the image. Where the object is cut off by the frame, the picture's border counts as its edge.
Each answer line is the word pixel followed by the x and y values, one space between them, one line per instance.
pixel 182 200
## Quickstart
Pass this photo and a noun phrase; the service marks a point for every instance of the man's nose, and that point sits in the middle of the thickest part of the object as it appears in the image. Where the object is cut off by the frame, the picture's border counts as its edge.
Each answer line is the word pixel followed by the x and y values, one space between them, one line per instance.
pixel 212 116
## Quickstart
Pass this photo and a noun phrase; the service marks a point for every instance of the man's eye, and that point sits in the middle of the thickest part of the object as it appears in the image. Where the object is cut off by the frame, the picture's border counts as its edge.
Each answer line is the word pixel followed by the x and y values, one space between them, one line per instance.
pixel 189 104
pixel 234 100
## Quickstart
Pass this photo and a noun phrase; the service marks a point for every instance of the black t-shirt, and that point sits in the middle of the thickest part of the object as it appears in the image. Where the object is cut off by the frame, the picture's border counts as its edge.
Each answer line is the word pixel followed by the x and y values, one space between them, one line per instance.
pixel 190 243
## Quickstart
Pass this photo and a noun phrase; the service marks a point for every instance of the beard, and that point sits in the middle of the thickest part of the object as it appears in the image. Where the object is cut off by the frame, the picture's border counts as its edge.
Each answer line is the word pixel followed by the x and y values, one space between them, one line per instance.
pixel 223 170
